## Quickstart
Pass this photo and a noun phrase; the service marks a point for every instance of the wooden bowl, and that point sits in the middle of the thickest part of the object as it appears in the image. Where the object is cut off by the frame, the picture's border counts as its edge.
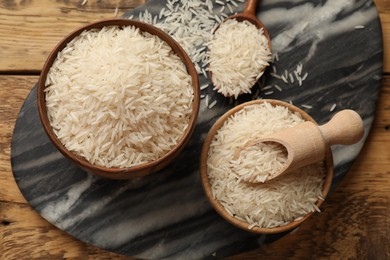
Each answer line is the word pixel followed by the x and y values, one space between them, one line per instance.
pixel 218 206
pixel 142 169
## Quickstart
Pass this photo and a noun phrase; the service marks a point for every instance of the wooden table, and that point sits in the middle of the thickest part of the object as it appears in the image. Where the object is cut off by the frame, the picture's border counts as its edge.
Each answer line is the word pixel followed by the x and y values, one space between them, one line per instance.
pixel 356 218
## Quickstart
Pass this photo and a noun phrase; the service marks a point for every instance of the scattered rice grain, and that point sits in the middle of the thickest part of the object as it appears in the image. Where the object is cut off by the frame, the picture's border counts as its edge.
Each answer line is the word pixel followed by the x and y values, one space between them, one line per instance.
pixel 291 78
pixel 307 106
pixel 275 75
pixel 230 8
pixel 284 78
pixel 278 88
pixel 203 87
pixel 305 76
pixel 213 104
pixel 266 87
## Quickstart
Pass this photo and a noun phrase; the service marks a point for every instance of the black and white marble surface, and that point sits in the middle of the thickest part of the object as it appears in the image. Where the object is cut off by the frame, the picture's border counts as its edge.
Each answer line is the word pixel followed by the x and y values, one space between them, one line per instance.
pixel 166 215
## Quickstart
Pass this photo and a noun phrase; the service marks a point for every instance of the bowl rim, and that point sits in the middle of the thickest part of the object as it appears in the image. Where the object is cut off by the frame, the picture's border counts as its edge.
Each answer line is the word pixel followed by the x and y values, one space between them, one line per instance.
pixel 144 27
pixel 218 206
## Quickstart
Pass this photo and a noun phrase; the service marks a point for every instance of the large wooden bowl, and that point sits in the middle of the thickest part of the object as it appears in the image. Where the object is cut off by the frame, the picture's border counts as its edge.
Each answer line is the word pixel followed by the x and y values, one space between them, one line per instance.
pixel 218 206
pixel 142 169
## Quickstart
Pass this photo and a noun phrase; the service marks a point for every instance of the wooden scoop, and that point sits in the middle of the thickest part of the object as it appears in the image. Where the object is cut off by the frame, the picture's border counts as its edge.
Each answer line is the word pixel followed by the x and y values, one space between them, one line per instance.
pixel 307 143
pixel 249 15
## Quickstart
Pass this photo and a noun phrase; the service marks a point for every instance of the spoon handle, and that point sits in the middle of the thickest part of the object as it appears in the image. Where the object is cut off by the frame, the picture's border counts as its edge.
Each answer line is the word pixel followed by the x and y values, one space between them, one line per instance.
pixel 250 7
pixel 346 127
pixel 307 142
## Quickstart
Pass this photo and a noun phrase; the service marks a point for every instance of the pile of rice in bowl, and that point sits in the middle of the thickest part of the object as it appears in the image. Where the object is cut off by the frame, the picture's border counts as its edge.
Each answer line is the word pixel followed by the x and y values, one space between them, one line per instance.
pixel 271 204
pixel 118 97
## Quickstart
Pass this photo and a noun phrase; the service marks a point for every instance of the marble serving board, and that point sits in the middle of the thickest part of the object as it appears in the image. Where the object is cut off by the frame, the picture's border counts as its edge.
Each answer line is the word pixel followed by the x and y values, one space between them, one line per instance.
pixel 166 215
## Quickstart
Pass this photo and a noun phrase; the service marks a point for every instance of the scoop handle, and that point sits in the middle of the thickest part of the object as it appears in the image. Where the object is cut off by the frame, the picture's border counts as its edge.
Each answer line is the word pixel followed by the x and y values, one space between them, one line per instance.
pixel 250 7
pixel 346 127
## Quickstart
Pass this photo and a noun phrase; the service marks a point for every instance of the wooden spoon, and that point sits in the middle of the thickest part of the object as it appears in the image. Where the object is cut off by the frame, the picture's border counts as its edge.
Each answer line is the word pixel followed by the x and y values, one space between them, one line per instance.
pixel 249 15
pixel 307 143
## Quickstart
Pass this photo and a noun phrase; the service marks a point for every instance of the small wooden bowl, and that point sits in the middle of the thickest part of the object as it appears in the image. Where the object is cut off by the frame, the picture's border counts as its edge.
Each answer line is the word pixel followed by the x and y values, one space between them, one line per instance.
pixel 142 169
pixel 218 206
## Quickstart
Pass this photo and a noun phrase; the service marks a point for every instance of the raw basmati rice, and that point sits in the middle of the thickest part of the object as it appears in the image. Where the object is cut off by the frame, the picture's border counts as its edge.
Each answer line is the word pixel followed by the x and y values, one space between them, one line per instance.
pixel 275 75
pixel 270 158
pixel 271 204
pixel 118 97
pixel 238 55
pixel 305 76
pixel 234 3
pixel 284 78
pixel 289 77
pixel 307 106
pixel 203 87
pixel 278 88
pixel 230 8
pixel 266 88
pixel 213 104
pixel 190 23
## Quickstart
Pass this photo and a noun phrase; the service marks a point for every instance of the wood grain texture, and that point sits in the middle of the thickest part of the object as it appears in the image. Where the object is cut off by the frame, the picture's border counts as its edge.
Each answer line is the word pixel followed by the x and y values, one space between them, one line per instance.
pixel 29 30
pixel 9 109
pixel 384 15
pixel 355 223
